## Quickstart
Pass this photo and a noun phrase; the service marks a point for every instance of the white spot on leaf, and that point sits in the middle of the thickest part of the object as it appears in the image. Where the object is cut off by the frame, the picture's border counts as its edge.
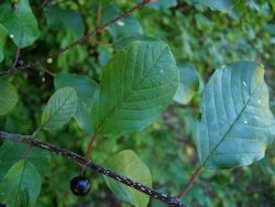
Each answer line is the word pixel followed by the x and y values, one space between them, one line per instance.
pixel 120 23
pixel 259 101
pixel 11 36
pixel 244 83
pixel 245 122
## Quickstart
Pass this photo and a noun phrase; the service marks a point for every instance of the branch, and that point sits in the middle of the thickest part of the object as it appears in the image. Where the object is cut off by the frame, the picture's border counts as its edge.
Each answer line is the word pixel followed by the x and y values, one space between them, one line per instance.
pixel 30 140
pixel 80 41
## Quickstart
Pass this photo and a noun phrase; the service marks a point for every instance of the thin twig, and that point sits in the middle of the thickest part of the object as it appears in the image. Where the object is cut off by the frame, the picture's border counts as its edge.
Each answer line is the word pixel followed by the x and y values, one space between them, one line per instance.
pixel 28 139
pixel 191 181
pixel 80 41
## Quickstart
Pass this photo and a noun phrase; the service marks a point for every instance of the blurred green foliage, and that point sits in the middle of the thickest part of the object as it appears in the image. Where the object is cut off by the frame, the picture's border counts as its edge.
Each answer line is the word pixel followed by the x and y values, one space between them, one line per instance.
pixel 198 35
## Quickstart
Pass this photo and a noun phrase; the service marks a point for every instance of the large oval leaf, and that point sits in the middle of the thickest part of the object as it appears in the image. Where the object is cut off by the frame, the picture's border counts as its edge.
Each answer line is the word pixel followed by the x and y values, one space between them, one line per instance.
pixel 236 124
pixel 20 22
pixel 136 85
pixel 59 109
pixel 8 97
pixel 127 163
pixel 20 186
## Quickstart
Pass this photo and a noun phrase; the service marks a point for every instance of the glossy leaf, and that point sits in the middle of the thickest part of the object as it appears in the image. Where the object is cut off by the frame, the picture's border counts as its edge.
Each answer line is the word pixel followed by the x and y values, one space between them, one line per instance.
pixel 85 89
pixel 127 163
pixel 8 97
pixel 67 20
pixel 237 124
pixel 60 108
pixel 19 22
pixel 189 84
pixel 20 186
pixel 11 152
pixel 136 86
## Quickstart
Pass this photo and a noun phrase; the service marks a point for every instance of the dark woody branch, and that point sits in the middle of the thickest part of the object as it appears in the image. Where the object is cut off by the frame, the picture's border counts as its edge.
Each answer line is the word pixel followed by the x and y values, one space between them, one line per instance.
pixel 31 141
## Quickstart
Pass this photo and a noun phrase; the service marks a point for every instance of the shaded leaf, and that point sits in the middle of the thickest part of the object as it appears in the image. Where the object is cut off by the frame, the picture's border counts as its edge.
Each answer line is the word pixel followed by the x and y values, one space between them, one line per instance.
pixel 67 20
pixel 2 42
pixel 237 124
pixel 11 152
pixel 85 89
pixel 189 84
pixel 21 185
pixel 136 86
pixel 127 163
pixel 59 109
pixel 19 22
pixel 8 97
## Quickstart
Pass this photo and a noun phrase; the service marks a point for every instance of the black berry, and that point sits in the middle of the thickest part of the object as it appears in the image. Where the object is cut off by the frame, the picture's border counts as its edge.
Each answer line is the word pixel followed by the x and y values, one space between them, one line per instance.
pixel 19 63
pixel 80 185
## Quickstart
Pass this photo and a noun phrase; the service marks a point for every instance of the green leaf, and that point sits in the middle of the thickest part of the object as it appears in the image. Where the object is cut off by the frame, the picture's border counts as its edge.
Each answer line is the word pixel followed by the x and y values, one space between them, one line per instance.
pixel 126 27
pixel 221 5
pixel 20 186
pixel 20 23
pixel 86 90
pixel 59 109
pixel 127 163
pixel 8 97
pixel 11 152
pixel 2 42
pixel 237 124
pixel 189 84
pixel 67 20
pixel 161 4
pixel 136 86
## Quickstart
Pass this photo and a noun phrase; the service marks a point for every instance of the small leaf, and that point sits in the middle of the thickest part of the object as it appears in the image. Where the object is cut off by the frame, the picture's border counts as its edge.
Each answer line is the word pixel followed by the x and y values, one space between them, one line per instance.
pixel 19 22
pixel 126 27
pixel 161 4
pixel 2 42
pixel 85 89
pixel 127 163
pixel 136 86
pixel 237 124
pixel 221 5
pixel 67 20
pixel 8 97
pixel 20 186
pixel 189 84
pixel 59 109
pixel 11 152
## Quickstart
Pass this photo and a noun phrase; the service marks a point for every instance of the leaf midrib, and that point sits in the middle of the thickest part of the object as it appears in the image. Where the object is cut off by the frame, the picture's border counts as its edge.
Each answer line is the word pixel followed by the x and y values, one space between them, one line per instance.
pixel 231 126
pixel 117 106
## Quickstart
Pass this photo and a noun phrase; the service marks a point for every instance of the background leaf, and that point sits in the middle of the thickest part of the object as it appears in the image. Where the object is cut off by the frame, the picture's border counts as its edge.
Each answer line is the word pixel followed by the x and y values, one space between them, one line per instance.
pixel 2 42
pixel 85 89
pixel 20 186
pixel 237 124
pixel 161 4
pixel 66 20
pixel 189 84
pixel 8 97
pixel 59 109
pixel 222 5
pixel 136 85
pixel 126 27
pixel 20 23
pixel 11 152
pixel 127 163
